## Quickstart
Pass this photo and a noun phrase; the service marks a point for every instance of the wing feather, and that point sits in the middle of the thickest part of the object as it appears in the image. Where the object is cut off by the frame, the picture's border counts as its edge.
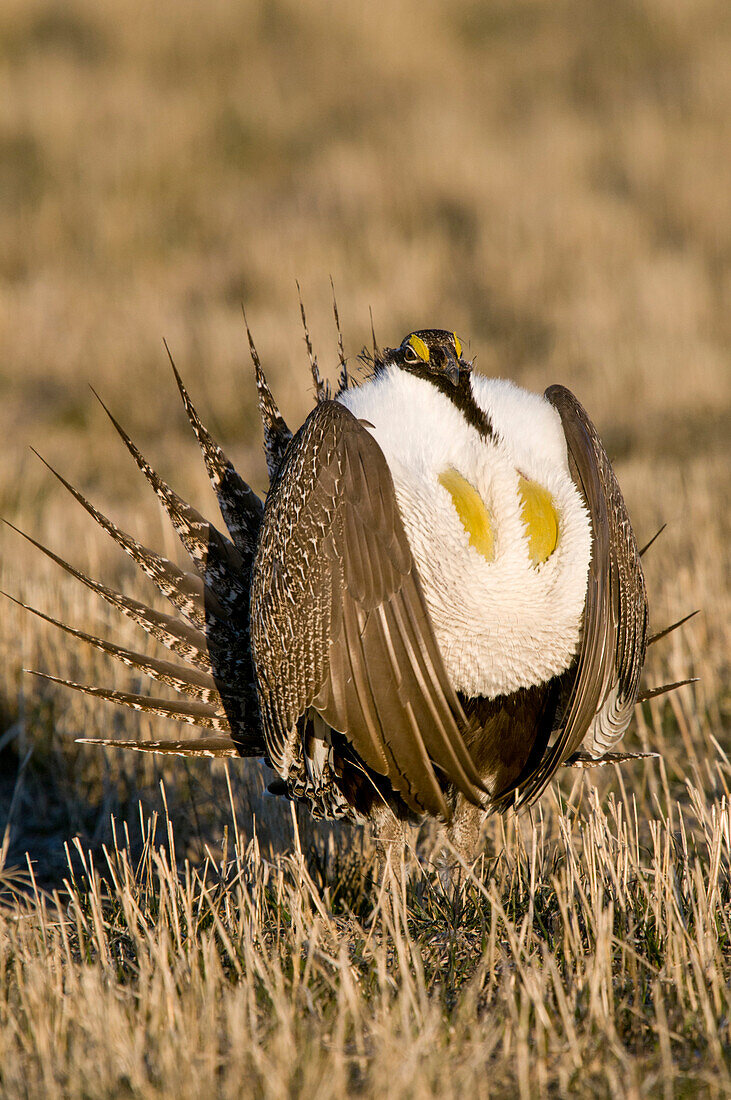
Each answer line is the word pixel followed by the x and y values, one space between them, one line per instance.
pixel 334 574
pixel 614 633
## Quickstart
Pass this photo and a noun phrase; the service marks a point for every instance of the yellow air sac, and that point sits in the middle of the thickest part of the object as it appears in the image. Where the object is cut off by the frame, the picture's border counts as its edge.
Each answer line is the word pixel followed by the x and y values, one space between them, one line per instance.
pixel 539 517
pixel 471 511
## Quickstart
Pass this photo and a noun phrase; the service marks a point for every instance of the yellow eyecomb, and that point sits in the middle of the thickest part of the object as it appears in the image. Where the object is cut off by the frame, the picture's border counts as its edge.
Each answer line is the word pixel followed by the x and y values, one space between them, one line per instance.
pixel 419 347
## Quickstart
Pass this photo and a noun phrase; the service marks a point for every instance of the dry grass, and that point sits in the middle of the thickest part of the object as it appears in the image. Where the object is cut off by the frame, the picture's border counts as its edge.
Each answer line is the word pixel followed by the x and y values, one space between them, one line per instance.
pixel 549 177
pixel 587 962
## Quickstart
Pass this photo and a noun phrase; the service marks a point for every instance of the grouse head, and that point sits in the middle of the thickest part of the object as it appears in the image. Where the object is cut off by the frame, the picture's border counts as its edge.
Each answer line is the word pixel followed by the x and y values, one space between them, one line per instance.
pixel 430 353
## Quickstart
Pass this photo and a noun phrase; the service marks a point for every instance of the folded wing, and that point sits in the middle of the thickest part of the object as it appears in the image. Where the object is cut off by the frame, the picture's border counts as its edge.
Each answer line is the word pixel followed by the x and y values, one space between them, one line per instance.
pixel 611 653
pixel 339 622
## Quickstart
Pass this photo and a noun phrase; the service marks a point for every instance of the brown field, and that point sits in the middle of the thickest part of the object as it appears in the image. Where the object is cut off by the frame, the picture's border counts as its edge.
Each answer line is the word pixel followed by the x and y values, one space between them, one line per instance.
pixel 551 179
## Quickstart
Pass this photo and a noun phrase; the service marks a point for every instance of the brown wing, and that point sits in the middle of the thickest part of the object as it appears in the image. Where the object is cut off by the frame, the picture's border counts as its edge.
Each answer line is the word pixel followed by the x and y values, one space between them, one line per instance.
pixel 614 634
pixel 339 622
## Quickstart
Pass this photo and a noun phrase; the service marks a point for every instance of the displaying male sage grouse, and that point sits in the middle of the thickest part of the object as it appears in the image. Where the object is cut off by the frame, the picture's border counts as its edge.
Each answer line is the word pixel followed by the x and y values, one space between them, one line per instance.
pixel 439 604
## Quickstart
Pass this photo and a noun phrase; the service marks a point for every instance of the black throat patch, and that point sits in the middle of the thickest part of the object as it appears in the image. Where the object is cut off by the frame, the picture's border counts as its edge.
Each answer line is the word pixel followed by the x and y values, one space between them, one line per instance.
pixel 460 395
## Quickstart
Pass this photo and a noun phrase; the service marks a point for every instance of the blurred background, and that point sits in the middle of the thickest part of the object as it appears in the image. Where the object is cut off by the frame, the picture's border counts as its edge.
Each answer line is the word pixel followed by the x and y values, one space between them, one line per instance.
pixel 548 177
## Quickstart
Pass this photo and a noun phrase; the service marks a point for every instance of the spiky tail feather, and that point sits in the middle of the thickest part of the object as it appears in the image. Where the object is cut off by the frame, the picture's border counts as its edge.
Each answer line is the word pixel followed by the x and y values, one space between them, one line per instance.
pixel 175 635
pixel 203 746
pixel 241 508
pixel 344 377
pixel 186 681
pixel 647 545
pixel 277 435
pixel 195 714
pixel 673 626
pixel 219 690
pixel 585 760
pixel 322 389
pixel 652 693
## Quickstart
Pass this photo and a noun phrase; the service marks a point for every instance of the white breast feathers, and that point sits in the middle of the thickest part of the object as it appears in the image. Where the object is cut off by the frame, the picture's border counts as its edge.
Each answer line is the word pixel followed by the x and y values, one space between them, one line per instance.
pixel 499 532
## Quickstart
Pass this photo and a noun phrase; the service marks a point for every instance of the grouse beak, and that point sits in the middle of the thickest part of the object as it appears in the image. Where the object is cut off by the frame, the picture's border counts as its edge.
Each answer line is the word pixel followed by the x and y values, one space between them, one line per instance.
pixel 452 367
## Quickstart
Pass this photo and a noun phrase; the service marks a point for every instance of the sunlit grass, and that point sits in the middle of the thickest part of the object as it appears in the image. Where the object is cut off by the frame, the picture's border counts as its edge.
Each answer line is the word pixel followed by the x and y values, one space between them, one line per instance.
pixel 577 958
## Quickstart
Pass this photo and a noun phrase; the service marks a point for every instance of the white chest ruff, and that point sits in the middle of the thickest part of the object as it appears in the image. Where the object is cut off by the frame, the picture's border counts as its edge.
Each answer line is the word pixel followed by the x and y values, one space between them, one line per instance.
pixel 506 623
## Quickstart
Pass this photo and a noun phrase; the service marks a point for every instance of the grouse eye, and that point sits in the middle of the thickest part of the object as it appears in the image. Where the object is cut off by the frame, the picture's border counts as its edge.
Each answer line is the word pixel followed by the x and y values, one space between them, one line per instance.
pixel 410 355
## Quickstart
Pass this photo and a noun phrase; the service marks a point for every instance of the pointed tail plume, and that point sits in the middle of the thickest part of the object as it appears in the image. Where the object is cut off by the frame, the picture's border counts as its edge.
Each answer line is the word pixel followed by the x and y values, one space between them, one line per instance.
pixel 322 389
pixel 217 683
pixel 647 545
pixel 669 629
pixel 585 760
pixel 652 693
pixel 240 507
pixel 344 377
pixel 210 747
pixel 276 433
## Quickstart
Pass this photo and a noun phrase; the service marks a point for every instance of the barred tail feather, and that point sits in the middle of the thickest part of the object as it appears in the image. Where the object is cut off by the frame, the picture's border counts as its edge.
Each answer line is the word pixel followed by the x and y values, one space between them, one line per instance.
pixel 322 389
pixel 344 377
pixel 241 508
pixel 673 626
pixel 187 681
pixel 202 746
pixel 652 693
pixel 225 573
pixel 186 591
pixel 215 558
pixel 584 760
pixel 647 545
pixel 277 435
pixel 177 636
pixel 194 713
pixel 220 689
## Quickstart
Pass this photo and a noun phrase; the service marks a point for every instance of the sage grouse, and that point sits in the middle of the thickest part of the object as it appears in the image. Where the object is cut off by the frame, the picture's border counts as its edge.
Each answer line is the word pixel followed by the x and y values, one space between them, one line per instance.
pixel 439 603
